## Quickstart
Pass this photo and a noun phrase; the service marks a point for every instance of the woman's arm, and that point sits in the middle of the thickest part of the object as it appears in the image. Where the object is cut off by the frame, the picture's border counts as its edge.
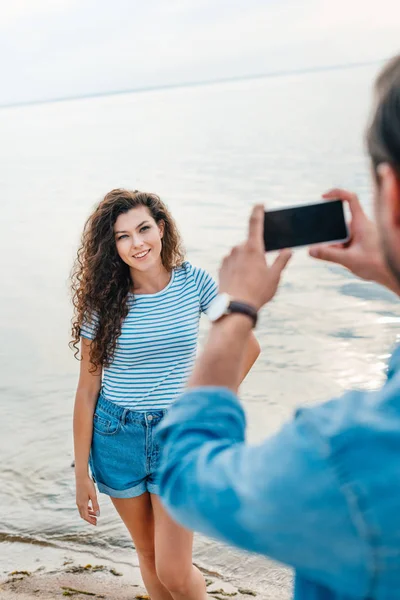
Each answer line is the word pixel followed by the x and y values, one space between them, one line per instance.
pixel 85 403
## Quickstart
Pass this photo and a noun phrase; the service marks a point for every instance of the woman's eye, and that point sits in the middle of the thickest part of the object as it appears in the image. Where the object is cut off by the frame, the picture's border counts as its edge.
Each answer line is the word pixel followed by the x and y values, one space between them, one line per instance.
pixel 144 228
pixel 121 237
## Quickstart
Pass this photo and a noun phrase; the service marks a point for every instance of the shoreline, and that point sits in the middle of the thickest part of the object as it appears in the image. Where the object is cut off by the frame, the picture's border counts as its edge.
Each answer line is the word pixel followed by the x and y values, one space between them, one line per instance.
pixel 29 572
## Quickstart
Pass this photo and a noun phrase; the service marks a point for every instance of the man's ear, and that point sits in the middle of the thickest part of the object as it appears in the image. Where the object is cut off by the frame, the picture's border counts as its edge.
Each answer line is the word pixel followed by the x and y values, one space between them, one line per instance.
pixel 389 193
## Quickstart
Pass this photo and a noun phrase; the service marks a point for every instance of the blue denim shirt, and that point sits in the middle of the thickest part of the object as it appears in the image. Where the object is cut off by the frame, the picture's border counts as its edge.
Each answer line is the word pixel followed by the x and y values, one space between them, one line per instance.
pixel 322 495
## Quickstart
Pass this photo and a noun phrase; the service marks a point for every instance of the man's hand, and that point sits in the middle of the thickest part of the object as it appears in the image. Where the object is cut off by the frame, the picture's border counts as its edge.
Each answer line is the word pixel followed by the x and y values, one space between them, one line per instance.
pixel 363 254
pixel 245 274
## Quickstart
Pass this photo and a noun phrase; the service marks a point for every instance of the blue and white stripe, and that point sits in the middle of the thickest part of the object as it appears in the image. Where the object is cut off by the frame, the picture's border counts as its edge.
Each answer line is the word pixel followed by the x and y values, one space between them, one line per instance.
pixel 157 346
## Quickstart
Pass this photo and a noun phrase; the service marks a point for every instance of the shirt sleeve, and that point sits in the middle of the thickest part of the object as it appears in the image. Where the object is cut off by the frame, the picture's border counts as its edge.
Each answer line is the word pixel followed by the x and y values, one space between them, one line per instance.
pixel 281 498
pixel 206 286
pixel 89 326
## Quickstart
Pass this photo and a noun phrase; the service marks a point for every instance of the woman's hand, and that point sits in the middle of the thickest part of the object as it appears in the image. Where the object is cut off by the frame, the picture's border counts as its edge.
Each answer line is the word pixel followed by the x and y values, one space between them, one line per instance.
pixel 86 500
pixel 363 254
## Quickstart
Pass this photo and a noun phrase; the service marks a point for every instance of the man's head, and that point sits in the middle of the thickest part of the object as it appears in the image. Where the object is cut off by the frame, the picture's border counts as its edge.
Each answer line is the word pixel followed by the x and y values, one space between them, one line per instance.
pixel 383 138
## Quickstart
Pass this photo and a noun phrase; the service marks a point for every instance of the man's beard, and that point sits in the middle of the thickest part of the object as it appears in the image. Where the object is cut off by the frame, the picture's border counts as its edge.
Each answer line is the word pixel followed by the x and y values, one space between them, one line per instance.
pixel 389 255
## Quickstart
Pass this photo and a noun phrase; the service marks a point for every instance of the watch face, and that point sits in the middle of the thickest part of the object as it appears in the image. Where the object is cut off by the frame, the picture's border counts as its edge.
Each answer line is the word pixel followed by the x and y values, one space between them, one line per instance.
pixel 218 307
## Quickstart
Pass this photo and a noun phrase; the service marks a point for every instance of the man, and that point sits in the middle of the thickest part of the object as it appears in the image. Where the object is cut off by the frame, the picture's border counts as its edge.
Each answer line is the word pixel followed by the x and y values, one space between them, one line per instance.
pixel 323 494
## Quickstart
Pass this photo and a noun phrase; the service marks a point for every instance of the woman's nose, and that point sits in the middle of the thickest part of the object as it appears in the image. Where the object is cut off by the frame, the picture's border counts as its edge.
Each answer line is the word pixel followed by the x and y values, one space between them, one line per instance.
pixel 137 242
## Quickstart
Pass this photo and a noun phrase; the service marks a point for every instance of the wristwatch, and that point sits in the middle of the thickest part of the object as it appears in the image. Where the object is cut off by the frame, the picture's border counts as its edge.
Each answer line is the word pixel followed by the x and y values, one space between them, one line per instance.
pixel 223 305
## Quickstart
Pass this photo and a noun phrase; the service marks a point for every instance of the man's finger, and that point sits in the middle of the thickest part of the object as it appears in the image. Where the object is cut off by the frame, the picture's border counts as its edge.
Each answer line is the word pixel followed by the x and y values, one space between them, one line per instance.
pixel 255 238
pixel 280 262
pixel 338 193
pixel 349 197
pixel 329 253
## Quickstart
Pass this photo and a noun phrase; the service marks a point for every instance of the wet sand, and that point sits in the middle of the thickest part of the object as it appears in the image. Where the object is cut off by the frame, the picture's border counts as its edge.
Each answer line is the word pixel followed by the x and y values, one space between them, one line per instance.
pixel 50 573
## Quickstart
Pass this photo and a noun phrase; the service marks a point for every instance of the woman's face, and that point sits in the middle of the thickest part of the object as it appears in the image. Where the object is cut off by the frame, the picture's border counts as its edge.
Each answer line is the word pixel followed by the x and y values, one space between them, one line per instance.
pixel 138 239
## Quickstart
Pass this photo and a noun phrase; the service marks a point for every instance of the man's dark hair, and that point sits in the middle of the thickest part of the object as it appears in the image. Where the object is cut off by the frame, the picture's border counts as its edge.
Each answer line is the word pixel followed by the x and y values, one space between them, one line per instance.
pixel 383 135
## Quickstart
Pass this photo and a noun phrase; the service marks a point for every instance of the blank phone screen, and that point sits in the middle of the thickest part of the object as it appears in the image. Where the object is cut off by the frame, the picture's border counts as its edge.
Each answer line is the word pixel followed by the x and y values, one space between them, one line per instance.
pixel 304 225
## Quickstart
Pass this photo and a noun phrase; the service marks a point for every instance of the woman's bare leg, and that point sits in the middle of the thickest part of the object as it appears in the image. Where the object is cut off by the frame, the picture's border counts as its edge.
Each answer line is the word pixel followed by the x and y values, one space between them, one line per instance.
pixel 137 514
pixel 173 548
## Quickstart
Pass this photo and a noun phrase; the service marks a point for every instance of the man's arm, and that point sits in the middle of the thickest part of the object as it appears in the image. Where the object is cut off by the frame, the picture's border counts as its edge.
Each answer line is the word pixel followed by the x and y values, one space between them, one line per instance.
pixel 281 498
pixel 246 277
pixel 221 362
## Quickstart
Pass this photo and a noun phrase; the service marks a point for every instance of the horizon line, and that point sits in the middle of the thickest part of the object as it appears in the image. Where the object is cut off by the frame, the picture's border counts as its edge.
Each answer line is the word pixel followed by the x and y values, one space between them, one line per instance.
pixel 171 86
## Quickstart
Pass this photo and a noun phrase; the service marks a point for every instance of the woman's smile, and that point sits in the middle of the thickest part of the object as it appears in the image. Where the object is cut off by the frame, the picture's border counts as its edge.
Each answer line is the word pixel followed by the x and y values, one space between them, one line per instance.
pixel 141 255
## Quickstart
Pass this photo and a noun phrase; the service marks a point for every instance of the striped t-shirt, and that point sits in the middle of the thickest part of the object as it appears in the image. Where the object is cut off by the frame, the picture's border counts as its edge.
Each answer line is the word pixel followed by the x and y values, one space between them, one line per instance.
pixel 157 346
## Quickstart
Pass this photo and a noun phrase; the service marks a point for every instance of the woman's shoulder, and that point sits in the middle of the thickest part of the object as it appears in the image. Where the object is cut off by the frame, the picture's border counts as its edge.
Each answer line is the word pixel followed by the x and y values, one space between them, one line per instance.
pixel 196 274
pixel 189 269
pixel 198 279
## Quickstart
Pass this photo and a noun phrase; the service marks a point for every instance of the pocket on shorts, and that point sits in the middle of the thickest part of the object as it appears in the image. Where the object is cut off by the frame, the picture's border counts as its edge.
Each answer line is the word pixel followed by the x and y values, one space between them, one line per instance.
pixel 105 424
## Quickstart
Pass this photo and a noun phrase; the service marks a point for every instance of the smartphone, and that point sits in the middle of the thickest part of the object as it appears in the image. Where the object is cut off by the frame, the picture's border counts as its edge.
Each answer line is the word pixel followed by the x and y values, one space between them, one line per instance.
pixel 305 225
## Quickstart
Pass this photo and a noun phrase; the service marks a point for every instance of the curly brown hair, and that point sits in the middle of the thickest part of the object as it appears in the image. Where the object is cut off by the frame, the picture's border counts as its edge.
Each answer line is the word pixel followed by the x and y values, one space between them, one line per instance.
pixel 101 280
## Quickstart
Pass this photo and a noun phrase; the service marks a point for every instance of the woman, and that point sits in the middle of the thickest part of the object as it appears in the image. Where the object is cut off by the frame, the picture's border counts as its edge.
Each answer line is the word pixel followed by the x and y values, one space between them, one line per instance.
pixel 137 309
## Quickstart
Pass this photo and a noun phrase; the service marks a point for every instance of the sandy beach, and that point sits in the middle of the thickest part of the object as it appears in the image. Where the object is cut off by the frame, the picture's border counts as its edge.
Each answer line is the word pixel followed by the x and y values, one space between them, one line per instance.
pixel 48 572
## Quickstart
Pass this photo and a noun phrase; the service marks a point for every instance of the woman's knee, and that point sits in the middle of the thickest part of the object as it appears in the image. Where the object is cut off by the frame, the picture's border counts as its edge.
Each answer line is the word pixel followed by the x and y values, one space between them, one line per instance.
pixel 176 578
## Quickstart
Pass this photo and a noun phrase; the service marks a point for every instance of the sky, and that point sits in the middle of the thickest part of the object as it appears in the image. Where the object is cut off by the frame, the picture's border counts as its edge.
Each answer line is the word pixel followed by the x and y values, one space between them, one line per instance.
pixel 61 48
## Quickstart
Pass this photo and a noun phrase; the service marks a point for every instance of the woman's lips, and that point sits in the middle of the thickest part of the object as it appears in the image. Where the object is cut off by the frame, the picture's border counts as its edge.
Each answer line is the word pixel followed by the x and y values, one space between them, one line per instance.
pixel 141 255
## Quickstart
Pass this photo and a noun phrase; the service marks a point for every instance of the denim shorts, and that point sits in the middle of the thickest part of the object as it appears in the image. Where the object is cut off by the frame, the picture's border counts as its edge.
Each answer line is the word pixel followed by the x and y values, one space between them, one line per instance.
pixel 125 454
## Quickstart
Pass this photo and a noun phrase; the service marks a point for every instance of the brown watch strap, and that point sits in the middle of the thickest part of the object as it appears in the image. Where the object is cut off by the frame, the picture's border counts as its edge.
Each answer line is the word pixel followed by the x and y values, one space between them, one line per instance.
pixel 244 309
